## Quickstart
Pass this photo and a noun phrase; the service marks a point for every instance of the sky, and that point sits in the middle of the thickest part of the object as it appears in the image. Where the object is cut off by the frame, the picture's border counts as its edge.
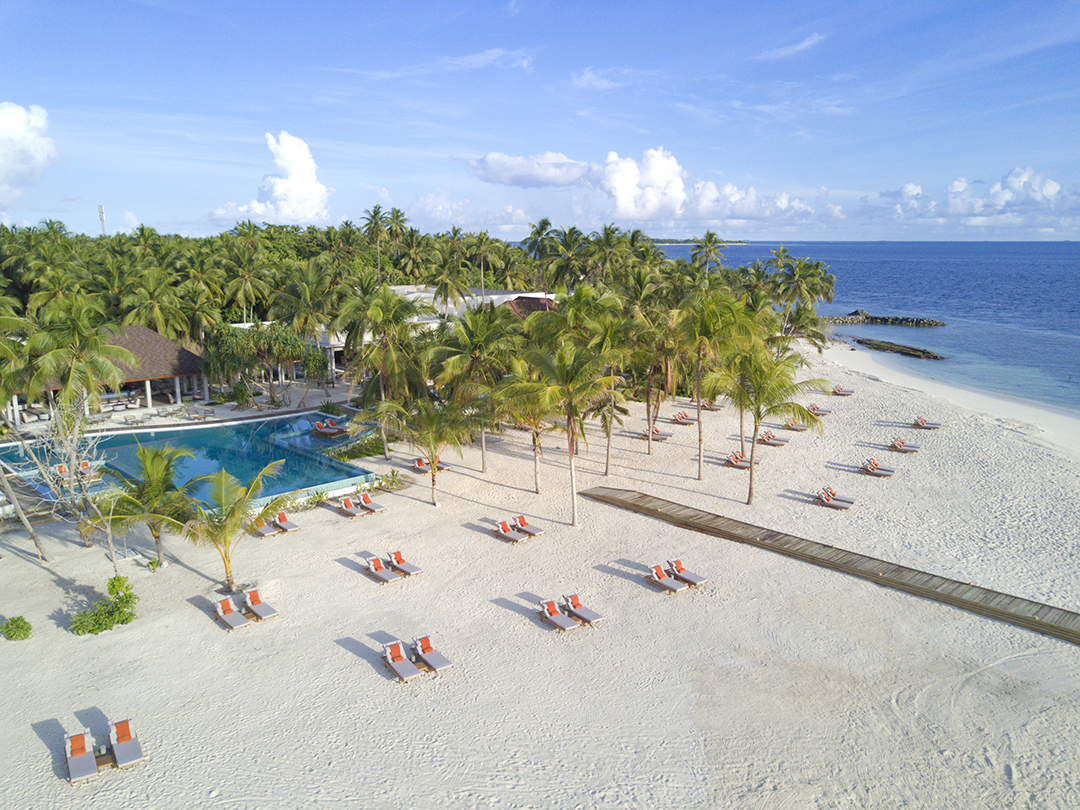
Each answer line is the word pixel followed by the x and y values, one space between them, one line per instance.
pixel 826 121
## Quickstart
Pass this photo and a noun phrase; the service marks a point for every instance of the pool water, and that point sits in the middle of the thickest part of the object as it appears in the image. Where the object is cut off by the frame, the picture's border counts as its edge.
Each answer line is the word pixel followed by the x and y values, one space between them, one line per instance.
pixel 243 449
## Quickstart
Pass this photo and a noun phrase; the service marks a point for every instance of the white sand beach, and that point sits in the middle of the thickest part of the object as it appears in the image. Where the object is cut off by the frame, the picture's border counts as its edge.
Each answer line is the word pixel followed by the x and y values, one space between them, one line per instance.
pixel 775 685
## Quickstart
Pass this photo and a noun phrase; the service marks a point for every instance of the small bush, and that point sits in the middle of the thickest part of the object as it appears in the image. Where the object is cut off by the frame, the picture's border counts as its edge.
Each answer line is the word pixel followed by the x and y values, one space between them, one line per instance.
pixel 16 629
pixel 119 608
pixel 154 564
pixel 316 497
pixel 331 408
pixel 390 482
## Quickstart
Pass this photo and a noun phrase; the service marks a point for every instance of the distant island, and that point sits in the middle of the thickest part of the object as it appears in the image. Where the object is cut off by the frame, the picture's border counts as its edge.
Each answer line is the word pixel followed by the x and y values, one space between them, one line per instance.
pixel 690 241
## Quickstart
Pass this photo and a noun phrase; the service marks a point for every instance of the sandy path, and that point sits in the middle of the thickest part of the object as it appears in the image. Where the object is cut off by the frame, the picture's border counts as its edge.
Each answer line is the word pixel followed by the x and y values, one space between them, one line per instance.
pixel 777 684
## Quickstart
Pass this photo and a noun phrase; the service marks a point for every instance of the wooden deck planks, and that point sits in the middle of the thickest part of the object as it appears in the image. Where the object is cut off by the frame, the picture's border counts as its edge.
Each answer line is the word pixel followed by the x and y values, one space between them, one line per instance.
pixel 1046 619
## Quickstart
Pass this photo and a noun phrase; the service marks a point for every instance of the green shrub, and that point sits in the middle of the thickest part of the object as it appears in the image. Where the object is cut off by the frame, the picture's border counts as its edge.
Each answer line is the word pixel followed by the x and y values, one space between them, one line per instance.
pixel 154 564
pixel 390 482
pixel 316 497
pixel 119 608
pixel 330 408
pixel 16 628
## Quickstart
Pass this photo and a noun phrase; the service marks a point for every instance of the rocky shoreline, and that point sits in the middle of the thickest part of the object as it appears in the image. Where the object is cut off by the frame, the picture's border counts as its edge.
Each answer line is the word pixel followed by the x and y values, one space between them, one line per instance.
pixel 898 348
pixel 862 316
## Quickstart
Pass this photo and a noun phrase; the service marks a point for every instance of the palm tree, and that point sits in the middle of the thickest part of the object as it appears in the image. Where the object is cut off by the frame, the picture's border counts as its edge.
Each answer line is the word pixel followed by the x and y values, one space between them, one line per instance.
pixel 375 222
pixel 396 226
pixel 804 282
pixel 571 380
pixel 764 385
pixel 154 499
pixel 154 303
pixel 230 512
pixel 483 249
pixel 445 275
pixel 570 257
pixel 481 344
pixel 706 251
pixel 431 428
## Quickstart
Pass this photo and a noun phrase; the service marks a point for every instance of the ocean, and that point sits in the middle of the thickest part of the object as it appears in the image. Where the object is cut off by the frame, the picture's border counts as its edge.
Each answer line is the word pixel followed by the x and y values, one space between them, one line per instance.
pixel 1012 309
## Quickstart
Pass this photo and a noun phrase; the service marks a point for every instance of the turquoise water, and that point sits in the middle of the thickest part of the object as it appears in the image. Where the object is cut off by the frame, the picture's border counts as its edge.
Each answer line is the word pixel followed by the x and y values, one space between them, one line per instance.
pixel 241 448
pixel 1011 308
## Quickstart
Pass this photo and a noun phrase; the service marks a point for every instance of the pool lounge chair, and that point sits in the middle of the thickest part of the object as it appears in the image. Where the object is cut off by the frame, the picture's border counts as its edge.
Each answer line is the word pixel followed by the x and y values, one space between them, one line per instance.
pixel 125 745
pixel 825 499
pixel 572 605
pixel 349 509
pixel 406 569
pixel 551 614
pixel 429 656
pixel 262 530
pixel 503 530
pixel 256 605
pixel 394 659
pixel 230 616
pixel 380 571
pixel 840 391
pixel 369 505
pixel 282 522
pixel 658 577
pixel 86 469
pixel 678 570
pixel 920 422
pixel 80 756
pixel 524 527
pixel 421 466
pixel 904 447
pixel 327 432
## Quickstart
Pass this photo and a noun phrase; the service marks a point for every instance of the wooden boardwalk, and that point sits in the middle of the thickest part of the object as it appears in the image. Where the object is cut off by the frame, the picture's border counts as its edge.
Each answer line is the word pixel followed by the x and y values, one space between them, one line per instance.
pixel 1045 619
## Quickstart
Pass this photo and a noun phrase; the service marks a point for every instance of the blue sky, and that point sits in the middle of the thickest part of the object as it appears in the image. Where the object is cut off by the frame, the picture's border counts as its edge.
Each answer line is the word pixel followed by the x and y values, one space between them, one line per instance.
pixel 786 120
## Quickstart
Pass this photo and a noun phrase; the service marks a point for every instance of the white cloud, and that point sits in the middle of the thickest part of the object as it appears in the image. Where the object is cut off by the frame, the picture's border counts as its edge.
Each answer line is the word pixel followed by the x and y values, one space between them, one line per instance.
pixel 131 222
pixel 547 169
pixel 590 79
pixel 653 188
pixel 788 50
pixel 294 196
pixel 25 148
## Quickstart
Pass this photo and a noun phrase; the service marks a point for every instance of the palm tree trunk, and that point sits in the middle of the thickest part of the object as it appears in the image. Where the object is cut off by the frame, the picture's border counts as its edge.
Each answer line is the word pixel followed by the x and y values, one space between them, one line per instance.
pixel 753 449
pixel 483 451
pixel 611 422
pixel 700 427
pixel 434 469
pixel 648 412
pixel 573 476
pixel 382 425
pixel 742 434
pixel 536 459
pixel 155 532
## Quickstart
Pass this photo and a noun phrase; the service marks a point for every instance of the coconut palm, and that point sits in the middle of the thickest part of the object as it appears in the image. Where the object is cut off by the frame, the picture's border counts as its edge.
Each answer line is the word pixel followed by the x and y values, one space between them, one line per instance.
pixel 570 254
pixel 230 511
pixel 152 499
pixel 477 354
pixel 804 282
pixel 375 223
pixel 530 413
pixel 764 385
pixel 706 251
pixel 571 380
pixel 431 428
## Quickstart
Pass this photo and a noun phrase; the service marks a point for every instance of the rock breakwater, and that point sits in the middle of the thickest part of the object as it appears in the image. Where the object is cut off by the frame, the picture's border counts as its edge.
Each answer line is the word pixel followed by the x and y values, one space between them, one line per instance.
pixel 897 348
pixel 862 316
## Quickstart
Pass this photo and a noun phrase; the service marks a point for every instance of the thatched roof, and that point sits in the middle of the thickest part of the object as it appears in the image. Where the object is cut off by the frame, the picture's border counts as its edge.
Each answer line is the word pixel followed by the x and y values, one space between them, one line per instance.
pixel 523 306
pixel 159 357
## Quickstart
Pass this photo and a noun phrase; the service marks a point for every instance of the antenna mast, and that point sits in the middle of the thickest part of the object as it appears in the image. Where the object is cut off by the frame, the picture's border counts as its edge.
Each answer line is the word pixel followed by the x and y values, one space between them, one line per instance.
pixel 101 216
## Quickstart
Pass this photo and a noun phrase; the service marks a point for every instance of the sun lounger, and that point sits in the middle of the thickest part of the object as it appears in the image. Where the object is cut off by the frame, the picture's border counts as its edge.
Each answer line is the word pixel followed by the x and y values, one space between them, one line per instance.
pixel 350 509
pixel 709 405
pixel 406 569
pixel 79 751
pixel 872 462
pixel 791 424
pixel 738 463
pixel 262 530
pixel 421 466
pixel 920 422
pixel 656 437
pixel 678 570
pixel 380 571
pixel 572 605
pixel 85 468
pixel 679 419
pixel 369 505
pixel 394 659
pixel 230 616
pixel 62 471
pixel 503 530
pixel 283 523
pixel 658 577
pixel 824 499
pixel 904 447
pixel 429 656
pixel 881 472
pixel 327 432
pixel 257 606
pixel 551 614
pixel 522 526
pixel 768 438
pixel 814 409
pixel 125 745
pixel 832 493
pixel 840 391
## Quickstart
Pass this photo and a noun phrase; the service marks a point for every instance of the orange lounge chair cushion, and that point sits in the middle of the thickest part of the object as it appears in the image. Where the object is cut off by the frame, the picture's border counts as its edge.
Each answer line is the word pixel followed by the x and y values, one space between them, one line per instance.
pixel 347 503
pixel 123 732
pixel 226 606
pixel 78 745
pixel 574 601
pixel 282 517
pixel 521 520
pixel 678 566
pixel 376 564
pixel 396 557
pixel 551 608
pixel 367 499
pixel 505 527
pixel 254 597
pixel 395 653
pixel 424 644
pixel 658 572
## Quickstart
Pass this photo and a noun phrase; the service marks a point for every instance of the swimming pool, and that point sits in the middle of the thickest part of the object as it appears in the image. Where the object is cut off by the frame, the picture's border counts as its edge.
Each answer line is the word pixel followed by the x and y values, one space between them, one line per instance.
pixel 242 448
